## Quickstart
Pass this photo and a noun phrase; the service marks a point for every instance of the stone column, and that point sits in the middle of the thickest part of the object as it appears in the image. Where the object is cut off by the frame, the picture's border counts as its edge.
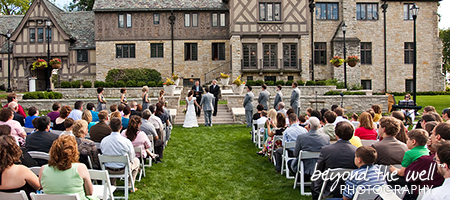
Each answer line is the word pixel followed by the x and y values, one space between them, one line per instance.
pixel 236 56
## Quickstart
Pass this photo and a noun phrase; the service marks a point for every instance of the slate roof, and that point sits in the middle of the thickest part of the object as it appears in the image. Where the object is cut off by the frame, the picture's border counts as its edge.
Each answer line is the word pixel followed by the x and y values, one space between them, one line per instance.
pixel 8 22
pixel 157 5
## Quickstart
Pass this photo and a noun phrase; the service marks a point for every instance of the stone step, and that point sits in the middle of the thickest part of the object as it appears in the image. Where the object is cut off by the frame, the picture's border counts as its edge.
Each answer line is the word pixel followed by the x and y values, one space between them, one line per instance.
pixel 223 116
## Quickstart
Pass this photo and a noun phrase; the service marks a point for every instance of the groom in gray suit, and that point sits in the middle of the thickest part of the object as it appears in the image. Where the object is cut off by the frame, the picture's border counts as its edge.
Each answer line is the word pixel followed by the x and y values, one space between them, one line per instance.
pixel 295 98
pixel 264 97
pixel 248 105
pixel 207 105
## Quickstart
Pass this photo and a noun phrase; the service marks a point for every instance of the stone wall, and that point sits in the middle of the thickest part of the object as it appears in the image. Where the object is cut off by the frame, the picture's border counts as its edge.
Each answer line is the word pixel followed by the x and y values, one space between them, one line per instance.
pixel 352 103
pixel 132 92
pixel 287 90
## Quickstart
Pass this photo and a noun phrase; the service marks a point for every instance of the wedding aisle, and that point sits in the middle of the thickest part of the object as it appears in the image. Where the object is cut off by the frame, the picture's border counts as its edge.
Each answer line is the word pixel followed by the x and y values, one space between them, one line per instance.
pixel 218 162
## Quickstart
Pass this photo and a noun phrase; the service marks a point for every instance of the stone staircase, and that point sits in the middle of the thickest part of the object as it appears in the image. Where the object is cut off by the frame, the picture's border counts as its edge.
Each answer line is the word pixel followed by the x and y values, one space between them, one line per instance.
pixel 223 116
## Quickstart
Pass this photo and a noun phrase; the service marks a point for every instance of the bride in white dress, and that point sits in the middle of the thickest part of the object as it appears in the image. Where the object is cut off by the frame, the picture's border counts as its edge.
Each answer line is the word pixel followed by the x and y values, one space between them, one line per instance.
pixel 190 120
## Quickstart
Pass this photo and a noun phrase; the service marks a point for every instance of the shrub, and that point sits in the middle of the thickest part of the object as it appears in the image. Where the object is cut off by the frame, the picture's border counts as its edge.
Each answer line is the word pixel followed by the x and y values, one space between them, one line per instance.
pixel 250 82
pixel 333 81
pixel 42 95
pixel 321 82
pixel 280 82
pixel 140 83
pixel 345 93
pixel 30 95
pixel 289 83
pixel 139 74
pixel 269 83
pixel 310 82
pixel 87 84
pixel 65 84
pixel 99 84
pixel 75 84
pixel 159 84
pixel 131 83
pixel 356 86
pixel 300 82
pixel 151 84
pixel 340 85
pixel 119 84
pixel 111 84
pixel 259 82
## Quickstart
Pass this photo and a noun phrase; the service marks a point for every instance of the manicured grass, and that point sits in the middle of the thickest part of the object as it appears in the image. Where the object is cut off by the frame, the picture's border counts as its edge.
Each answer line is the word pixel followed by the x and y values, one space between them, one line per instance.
pixel 218 162
pixel 438 101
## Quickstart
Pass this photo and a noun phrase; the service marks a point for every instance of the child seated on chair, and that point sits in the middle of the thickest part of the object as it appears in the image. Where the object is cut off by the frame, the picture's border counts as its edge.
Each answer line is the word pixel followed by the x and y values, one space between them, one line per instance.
pixel 364 159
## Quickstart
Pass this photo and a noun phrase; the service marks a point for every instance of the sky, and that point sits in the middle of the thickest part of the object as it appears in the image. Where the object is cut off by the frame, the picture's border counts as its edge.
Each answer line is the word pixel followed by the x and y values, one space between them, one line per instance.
pixel 443 24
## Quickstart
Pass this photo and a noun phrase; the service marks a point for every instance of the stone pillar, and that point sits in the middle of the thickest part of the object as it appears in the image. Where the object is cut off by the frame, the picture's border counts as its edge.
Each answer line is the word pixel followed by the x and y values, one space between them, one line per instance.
pixel 305 55
pixel 236 56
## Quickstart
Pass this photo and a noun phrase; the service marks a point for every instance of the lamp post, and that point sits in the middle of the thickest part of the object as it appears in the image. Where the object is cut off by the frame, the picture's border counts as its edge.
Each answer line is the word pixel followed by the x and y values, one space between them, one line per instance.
pixel 344 29
pixel 48 23
pixel 172 22
pixel 8 37
pixel 311 10
pixel 414 11
pixel 384 6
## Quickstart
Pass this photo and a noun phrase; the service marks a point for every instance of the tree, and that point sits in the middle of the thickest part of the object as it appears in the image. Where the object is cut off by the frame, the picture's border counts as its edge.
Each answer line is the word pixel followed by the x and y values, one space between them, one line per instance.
pixel 14 7
pixel 445 37
pixel 81 5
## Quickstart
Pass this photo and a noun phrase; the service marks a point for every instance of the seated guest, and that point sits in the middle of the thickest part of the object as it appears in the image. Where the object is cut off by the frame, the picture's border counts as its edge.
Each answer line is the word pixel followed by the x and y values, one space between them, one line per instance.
pixel 133 109
pixel 116 145
pixel 25 159
pixel 426 118
pixel 126 116
pixel 120 109
pixel 281 109
pixel 68 124
pixel 340 113
pixel 63 174
pixel 417 139
pixel 63 114
pixel 338 155
pixel 426 110
pixel 377 110
pixel 328 128
pixel 443 160
pixel 91 108
pixel 288 112
pixel 101 129
pixel 277 129
pixel 263 118
pixel 139 108
pixel 85 147
pixel 56 107
pixel 15 107
pixel 77 111
pixel 148 128
pixel 390 150
pixel 138 138
pixel 87 116
pixel 42 139
pixel 33 113
pixel 354 120
pixel 312 141
pixel 366 130
pixel 156 122
pixel 401 135
pixel 257 115
pixel 113 108
pixel 116 114
pixel 429 126
pixel 13 97
pixel 302 121
pixel 14 177
pixel 364 160
pixel 290 135
pixel 6 118
pixel 161 114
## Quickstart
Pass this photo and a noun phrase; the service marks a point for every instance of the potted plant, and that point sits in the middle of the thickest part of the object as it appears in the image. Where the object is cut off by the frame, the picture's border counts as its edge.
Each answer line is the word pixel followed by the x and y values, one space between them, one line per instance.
pixel 169 87
pixel 55 63
pixel 176 79
pixel 39 64
pixel 352 60
pixel 224 78
pixel 238 85
pixel 337 61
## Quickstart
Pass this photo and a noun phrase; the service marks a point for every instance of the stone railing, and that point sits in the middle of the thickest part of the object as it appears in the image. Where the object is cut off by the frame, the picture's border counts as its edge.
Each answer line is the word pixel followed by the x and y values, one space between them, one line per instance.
pixel 352 103
pixel 287 90
pixel 132 92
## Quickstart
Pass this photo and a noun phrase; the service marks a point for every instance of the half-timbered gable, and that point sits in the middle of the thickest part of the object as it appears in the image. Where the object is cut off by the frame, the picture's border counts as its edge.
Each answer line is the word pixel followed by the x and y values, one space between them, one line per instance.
pixel 8 24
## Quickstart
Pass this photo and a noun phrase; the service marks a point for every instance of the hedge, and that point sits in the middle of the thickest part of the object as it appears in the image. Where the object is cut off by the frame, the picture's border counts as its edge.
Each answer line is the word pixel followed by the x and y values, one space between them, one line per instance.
pixel 345 93
pixel 137 75
pixel 42 95
pixel 87 84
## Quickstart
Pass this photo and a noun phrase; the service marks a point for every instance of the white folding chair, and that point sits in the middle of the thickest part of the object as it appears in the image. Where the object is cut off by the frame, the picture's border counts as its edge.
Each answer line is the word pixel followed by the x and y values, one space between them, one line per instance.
pixel 302 155
pixel 39 155
pixel 97 144
pixel 28 130
pixel 89 162
pixel 365 194
pixel 285 158
pixel 275 138
pixel 105 189
pixel 332 173
pixel 152 149
pixel 260 135
pixel 35 196
pixel 138 150
pixel 35 170
pixel 21 195
pixel 421 194
pixel 368 143
pixel 127 175
pixel 254 124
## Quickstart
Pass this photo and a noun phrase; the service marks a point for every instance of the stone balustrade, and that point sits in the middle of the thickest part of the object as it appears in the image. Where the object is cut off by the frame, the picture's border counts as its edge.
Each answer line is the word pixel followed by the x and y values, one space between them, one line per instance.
pixel 132 92
pixel 287 90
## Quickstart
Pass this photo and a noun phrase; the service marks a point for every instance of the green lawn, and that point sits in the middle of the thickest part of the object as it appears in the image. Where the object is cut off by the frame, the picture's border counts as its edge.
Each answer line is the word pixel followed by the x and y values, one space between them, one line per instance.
pixel 438 101
pixel 218 162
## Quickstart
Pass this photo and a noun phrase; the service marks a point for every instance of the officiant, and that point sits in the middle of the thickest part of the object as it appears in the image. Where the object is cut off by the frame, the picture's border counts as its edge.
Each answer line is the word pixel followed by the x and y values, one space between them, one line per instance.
pixel 198 91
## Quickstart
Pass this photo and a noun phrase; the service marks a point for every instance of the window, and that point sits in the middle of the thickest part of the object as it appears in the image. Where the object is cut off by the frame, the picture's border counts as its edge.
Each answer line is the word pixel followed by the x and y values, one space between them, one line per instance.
pixel 48 34
pixel 157 50
pixel 190 51
pixel 194 20
pixel 269 11
pixel 249 78
pixel 125 51
pixel 40 34
pixel 290 55
pixel 270 55
pixel 327 11
pixel 366 84
pixel 366 53
pixel 409 53
pixel 32 35
pixel 156 18
pixel 218 19
pixel 187 20
pixel 214 19
pixel 320 53
pixel 218 51
pixel 222 19
pixel 270 78
pixel 409 84
pixel 121 21
pixel 367 11
pixel 249 53
pixel 407 15
pixel 1 65
pixel 128 20
pixel 82 55
pixel 290 78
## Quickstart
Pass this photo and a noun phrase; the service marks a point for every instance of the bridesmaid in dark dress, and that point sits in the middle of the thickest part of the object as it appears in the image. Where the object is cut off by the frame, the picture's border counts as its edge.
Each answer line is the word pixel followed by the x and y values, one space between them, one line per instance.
pixel 145 100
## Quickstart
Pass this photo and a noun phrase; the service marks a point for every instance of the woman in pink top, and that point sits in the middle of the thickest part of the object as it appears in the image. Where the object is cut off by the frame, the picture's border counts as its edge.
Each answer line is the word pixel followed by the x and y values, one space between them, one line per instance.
pixel 366 130
pixel 6 118
pixel 138 138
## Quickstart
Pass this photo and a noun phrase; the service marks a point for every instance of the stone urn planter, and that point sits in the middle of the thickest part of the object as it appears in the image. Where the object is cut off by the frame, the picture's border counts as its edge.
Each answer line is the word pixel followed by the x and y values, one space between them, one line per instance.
pixel 225 80
pixel 352 63
pixel 56 66
pixel 169 89
pixel 336 64
pixel 177 82
pixel 238 89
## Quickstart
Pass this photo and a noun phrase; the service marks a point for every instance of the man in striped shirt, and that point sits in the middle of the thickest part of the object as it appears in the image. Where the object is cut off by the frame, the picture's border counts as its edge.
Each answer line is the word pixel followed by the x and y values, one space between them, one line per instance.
pixel 367 176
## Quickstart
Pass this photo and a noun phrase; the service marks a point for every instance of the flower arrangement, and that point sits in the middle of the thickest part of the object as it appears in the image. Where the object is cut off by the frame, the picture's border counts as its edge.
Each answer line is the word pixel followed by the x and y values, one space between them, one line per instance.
pixel 238 81
pixel 337 61
pixel 184 111
pixel 174 77
pixel 54 61
pixel 169 82
pixel 39 64
pixel 352 60
pixel 222 75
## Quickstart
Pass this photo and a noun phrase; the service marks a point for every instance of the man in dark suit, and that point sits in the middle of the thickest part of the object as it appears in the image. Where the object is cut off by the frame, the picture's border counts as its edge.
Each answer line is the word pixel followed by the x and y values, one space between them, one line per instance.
pixel 133 106
pixel 278 98
pixel 101 129
pixel 338 155
pixel 42 139
pixel 198 91
pixel 18 117
pixel 215 90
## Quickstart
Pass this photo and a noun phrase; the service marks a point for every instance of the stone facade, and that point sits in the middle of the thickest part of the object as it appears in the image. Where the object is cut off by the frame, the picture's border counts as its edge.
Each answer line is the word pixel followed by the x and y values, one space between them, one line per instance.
pixel 80 93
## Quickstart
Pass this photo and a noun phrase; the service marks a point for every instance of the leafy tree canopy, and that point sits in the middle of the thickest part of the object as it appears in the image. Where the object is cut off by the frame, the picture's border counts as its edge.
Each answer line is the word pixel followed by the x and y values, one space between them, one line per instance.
pixel 445 37
pixel 81 5
pixel 14 7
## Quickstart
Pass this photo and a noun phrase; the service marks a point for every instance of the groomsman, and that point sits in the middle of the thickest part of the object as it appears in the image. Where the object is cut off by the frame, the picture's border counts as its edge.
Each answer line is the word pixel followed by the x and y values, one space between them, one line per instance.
pixel 295 98
pixel 248 105
pixel 215 90
pixel 278 98
pixel 198 91
pixel 264 97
